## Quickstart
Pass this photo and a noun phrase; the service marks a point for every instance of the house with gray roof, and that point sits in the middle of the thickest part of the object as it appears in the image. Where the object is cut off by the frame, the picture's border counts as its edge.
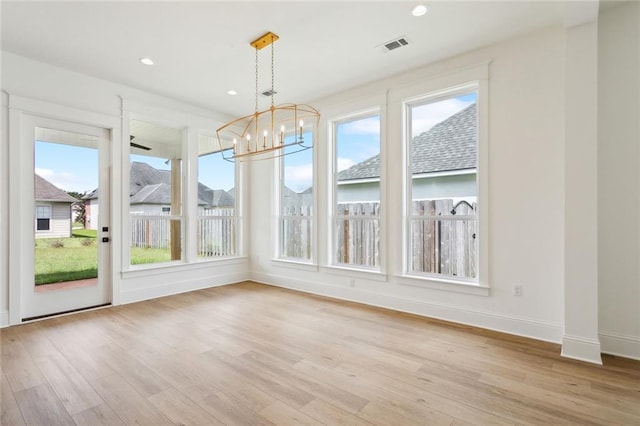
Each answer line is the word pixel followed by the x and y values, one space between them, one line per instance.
pixel 443 159
pixel 53 210
pixel 150 193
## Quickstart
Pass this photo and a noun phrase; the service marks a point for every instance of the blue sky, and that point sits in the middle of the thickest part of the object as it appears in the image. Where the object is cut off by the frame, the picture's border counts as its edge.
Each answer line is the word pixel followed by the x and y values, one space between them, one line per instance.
pixel 359 139
pixel 76 169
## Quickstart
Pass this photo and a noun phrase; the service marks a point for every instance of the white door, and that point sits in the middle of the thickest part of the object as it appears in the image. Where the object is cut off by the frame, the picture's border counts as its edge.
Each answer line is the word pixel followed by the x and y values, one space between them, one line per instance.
pixel 69 216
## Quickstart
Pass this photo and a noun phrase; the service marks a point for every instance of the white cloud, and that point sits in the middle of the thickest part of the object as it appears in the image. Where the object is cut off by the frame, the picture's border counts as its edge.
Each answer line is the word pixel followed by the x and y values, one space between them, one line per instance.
pixel 427 116
pixel 344 163
pixel 298 178
pixel 368 126
pixel 66 180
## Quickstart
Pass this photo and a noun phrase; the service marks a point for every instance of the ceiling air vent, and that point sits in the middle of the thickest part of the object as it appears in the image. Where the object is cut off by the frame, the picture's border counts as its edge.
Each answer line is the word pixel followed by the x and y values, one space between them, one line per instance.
pixel 267 93
pixel 394 44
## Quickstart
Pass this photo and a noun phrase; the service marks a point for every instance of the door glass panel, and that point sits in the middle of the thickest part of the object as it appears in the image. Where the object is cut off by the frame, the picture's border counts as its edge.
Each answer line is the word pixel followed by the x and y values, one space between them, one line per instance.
pixel 66 209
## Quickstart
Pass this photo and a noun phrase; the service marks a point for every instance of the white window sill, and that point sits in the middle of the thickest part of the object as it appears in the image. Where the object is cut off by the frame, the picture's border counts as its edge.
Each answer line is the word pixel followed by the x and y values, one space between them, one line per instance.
pixel 443 284
pixel 364 274
pixel 137 271
pixel 295 264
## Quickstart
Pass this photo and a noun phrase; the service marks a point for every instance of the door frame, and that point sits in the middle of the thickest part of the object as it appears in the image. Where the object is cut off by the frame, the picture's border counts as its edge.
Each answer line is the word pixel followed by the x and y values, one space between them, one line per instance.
pixel 21 252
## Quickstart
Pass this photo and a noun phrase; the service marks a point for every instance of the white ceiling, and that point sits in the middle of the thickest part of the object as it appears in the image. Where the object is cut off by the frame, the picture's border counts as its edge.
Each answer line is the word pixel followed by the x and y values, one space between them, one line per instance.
pixel 201 49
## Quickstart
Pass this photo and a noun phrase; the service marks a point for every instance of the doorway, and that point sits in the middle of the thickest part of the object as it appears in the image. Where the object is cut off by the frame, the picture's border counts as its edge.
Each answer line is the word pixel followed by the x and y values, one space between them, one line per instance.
pixel 71 215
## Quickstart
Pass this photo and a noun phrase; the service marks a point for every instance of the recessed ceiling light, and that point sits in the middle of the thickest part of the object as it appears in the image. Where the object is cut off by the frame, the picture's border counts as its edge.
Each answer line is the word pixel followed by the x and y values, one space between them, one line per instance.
pixel 232 92
pixel 146 61
pixel 419 10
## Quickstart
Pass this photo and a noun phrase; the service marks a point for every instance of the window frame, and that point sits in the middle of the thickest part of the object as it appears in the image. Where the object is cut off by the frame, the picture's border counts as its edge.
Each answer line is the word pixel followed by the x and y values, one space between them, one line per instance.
pixel 278 228
pixel 360 114
pixel 474 78
pixel 237 241
pixel 38 217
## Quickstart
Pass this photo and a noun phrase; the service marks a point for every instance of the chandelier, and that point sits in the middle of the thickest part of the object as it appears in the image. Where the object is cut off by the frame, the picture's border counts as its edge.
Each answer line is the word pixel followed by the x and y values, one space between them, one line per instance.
pixel 270 133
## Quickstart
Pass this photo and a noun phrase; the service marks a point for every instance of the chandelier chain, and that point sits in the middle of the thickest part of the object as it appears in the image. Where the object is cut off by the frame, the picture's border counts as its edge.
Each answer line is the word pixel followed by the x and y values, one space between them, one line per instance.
pixel 256 79
pixel 273 90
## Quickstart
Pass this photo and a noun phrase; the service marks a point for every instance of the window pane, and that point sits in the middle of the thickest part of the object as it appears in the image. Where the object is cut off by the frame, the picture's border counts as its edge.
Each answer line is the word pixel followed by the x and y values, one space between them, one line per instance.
pixel 216 205
pixel 296 208
pixel 43 224
pixel 155 202
pixel 357 221
pixel 443 163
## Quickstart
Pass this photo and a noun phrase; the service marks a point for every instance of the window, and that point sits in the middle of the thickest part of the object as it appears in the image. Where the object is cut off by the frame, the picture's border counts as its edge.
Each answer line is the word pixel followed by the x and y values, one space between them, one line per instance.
pixel 296 202
pixel 43 218
pixel 155 183
pixel 356 210
pixel 442 151
pixel 217 221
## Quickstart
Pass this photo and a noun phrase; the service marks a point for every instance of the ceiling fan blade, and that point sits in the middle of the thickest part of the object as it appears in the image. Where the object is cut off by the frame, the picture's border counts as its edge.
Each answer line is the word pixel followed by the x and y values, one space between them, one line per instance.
pixel 135 145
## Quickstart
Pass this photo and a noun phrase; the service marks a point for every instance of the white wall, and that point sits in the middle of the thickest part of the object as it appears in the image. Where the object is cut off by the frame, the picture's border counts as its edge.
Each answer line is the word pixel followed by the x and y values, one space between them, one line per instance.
pixel 619 180
pixel 26 78
pixel 525 178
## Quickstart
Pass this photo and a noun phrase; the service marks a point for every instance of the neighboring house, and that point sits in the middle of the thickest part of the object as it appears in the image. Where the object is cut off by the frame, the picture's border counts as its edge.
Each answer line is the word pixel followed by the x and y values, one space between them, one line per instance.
pixel 291 199
pixel 150 193
pixel 53 210
pixel 444 160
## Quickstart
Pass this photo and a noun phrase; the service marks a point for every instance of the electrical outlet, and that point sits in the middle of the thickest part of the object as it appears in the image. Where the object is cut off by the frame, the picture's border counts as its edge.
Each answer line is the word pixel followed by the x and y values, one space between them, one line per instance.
pixel 517 290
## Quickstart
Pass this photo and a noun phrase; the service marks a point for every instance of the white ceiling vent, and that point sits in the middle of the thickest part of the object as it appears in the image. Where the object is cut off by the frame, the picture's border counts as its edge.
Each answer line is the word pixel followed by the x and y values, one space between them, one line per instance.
pixel 394 44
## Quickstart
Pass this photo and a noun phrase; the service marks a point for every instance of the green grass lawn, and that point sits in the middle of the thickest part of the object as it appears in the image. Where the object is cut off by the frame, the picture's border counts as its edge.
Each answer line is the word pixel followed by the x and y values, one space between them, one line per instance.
pixel 72 261
pixel 86 233
pixel 76 258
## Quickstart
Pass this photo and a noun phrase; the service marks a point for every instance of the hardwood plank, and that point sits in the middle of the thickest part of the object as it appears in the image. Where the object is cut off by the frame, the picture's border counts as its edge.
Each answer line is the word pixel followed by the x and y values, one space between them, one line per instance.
pixel 136 373
pixel 232 411
pixel 9 410
pixel 329 414
pixel 182 410
pixel 72 389
pixel 101 415
pixel 18 366
pixel 39 406
pixel 131 407
pixel 254 354
pixel 282 414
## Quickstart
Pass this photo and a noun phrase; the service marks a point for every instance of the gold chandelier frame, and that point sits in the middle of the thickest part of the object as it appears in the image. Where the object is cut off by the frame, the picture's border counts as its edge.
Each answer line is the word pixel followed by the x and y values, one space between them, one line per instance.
pixel 266 134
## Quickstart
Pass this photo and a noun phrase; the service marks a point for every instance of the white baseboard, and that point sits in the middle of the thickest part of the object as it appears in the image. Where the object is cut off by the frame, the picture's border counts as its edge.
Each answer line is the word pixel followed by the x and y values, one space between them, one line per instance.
pixel 4 319
pixel 140 294
pixel 582 349
pixel 620 345
pixel 525 327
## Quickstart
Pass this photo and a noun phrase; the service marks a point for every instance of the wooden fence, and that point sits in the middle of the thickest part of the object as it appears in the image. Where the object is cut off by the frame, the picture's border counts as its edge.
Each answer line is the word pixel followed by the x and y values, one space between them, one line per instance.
pixel 443 238
pixel 216 232
pixel 296 229
pixel 150 230
pixel 358 234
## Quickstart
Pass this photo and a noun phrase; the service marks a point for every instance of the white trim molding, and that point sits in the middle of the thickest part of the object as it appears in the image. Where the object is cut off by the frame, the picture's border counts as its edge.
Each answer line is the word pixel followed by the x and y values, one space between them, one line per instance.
pixel 582 349
pixel 526 327
pixel 4 319
pixel 153 292
pixel 620 345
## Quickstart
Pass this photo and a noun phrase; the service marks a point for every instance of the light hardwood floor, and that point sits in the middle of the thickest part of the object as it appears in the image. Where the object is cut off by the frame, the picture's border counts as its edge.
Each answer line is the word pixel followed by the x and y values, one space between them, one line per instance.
pixel 252 354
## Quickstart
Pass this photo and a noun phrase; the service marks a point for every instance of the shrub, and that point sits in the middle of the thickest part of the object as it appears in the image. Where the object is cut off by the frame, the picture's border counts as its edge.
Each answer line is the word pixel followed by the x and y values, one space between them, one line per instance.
pixel 55 244
pixel 86 242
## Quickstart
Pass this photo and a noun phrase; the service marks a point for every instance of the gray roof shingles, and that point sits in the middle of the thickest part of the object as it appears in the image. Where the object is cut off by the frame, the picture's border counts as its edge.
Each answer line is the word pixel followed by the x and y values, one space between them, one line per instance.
pixel 149 185
pixel 447 146
pixel 46 191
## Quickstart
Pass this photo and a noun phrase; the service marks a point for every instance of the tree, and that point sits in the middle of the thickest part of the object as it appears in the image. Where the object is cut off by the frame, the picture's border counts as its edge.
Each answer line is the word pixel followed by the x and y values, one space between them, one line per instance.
pixel 79 207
